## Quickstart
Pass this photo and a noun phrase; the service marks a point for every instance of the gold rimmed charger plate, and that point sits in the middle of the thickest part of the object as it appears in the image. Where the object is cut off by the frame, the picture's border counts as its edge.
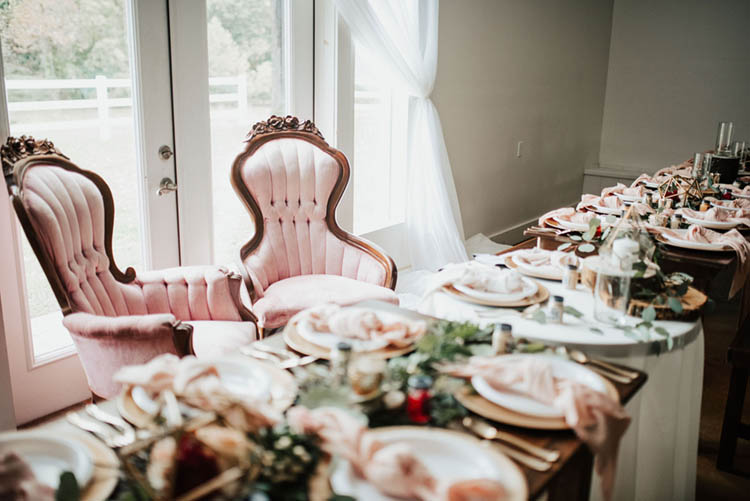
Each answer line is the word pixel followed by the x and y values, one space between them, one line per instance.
pixel 283 393
pixel 671 243
pixel 477 404
pixel 541 295
pixel 106 464
pixel 301 345
pixel 532 273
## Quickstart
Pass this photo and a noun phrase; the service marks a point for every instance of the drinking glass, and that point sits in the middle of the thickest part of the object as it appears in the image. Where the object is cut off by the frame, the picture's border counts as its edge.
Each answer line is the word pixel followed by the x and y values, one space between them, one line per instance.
pixel 724 137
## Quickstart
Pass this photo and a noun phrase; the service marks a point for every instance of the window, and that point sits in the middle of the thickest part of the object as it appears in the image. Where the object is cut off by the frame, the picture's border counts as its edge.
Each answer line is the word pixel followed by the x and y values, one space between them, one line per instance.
pixel 379 160
pixel 247 83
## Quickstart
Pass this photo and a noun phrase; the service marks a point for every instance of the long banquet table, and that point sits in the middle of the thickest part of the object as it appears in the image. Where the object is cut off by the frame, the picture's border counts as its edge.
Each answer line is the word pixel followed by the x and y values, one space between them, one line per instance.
pixel 658 454
pixel 568 479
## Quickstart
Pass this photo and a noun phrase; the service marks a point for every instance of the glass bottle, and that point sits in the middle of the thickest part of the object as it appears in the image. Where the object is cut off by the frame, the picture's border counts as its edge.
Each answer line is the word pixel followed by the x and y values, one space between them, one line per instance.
pixel 555 309
pixel 418 399
pixel 341 355
pixel 570 278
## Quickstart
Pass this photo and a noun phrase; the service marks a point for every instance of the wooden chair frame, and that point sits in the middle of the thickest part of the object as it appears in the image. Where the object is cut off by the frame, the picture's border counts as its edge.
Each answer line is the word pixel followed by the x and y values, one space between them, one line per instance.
pixel 17 156
pixel 291 127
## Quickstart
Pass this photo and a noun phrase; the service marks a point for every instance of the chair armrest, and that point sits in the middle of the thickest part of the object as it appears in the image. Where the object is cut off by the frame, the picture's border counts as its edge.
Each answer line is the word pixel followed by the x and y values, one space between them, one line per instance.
pixel 105 344
pixel 195 293
pixel 378 254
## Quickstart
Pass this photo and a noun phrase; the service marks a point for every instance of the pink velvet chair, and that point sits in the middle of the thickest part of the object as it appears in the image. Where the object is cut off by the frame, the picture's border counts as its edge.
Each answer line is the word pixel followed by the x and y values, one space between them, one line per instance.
pixel 291 182
pixel 115 318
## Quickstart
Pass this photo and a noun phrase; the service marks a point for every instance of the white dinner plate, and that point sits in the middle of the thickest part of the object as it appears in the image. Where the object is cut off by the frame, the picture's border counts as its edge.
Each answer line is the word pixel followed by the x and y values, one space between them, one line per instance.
pixel 740 195
pixel 548 271
pixel 329 340
pixel 528 288
pixel 717 225
pixel 448 455
pixel 715 204
pixel 652 185
pixel 519 402
pixel 688 244
pixel 49 455
pixel 629 198
pixel 607 210
pixel 570 225
pixel 238 374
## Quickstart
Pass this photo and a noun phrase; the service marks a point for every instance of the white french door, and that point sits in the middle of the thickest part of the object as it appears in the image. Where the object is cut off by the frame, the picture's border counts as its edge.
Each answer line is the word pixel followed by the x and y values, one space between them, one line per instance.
pixel 142 92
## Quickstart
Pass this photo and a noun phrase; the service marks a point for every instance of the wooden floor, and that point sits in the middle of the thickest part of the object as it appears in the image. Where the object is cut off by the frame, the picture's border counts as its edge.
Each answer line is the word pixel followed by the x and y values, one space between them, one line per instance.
pixel 713 484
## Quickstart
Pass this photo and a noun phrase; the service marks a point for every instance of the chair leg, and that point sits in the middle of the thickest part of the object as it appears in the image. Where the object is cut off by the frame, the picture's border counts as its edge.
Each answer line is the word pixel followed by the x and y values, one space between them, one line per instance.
pixel 732 417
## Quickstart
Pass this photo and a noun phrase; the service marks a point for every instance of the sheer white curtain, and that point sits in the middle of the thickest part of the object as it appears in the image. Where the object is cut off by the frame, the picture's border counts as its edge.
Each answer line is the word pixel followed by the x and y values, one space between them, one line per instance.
pixel 402 37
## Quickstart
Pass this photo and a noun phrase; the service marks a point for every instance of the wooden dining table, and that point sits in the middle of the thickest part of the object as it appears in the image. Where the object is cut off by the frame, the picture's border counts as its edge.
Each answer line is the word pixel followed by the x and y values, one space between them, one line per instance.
pixel 568 479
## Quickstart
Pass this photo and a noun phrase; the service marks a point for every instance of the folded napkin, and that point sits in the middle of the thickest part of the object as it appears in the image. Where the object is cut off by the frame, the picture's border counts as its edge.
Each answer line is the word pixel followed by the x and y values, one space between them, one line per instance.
pixel 633 191
pixel 18 483
pixel 477 276
pixel 732 238
pixel 592 202
pixel 595 417
pixel 719 215
pixel 198 384
pixel 568 214
pixel 737 203
pixel 545 261
pixel 392 468
pixel 357 323
pixel 685 169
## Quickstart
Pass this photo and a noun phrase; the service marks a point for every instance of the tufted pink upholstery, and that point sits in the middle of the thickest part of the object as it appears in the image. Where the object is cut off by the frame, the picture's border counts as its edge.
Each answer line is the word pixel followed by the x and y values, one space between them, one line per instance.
pixel 292 180
pixel 67 212
pixel 119 323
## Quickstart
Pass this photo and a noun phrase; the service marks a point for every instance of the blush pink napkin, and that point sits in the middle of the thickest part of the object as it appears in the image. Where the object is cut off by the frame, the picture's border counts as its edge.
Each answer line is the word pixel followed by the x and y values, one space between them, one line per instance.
pixel 595 417
pixel 567 213
pixel 392 468
pixel 592 202
pixel 359 323
pixel 633 191
pixel 732 238
pixel 717 214
pixel 197 383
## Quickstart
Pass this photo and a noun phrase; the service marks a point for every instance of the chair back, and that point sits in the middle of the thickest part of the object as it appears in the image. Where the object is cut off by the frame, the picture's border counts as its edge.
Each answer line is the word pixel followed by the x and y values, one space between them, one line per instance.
pixel 291 182
pixel 67 214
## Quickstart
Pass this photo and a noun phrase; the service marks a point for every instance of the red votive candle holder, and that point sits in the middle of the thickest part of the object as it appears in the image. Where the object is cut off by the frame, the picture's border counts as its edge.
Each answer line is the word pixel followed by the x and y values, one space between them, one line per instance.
pixel 418 399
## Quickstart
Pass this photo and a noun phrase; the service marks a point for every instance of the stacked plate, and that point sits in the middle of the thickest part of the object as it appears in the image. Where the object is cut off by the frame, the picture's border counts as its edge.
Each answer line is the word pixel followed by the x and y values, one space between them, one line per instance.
pixel 530 292
pixel 468 460
pixel 516 408
pixel 48 455
pixel 242 376
pixel 716 225
pixel 683 243
pixel 302 336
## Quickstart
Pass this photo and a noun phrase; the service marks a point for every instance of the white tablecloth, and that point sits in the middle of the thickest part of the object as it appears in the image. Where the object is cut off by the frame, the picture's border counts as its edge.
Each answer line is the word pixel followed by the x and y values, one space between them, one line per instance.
pixel 658 453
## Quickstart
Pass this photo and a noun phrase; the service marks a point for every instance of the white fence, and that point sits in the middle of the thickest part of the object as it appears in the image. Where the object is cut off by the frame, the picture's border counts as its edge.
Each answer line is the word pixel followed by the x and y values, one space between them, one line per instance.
pixel 103 103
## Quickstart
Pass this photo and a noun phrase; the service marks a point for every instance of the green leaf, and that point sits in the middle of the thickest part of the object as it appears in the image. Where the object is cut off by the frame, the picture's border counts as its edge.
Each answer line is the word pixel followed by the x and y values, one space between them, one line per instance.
pixel 670 343
pixel 533 347
pixel 539 316
pixel 68 489
pixel 675 304
pixel 605 233
pixel 649 314
pixel 577 238
pixel 588 235
pixel 564 246
pixel 586 248
pixel 596 330
pixel 572 311
pixel 662 331
pixel 594 224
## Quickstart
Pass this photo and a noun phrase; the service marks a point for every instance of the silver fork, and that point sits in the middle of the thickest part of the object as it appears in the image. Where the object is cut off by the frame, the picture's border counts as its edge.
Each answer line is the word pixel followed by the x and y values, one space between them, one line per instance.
pixel 127 431
pixel 102 431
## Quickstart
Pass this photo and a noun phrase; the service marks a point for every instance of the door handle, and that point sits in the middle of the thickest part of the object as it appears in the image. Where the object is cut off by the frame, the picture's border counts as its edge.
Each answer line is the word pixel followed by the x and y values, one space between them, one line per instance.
pixel 166 185
pixel 165 152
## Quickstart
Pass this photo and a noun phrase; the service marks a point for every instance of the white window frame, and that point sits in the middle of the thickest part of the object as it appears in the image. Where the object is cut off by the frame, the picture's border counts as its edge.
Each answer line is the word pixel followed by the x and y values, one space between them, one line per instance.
pixel 192 121
pixel 334 115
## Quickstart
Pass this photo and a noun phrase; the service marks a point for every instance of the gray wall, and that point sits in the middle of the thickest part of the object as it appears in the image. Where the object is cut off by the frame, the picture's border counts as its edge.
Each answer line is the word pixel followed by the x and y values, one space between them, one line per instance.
pixel 676 68
pixel 531 71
